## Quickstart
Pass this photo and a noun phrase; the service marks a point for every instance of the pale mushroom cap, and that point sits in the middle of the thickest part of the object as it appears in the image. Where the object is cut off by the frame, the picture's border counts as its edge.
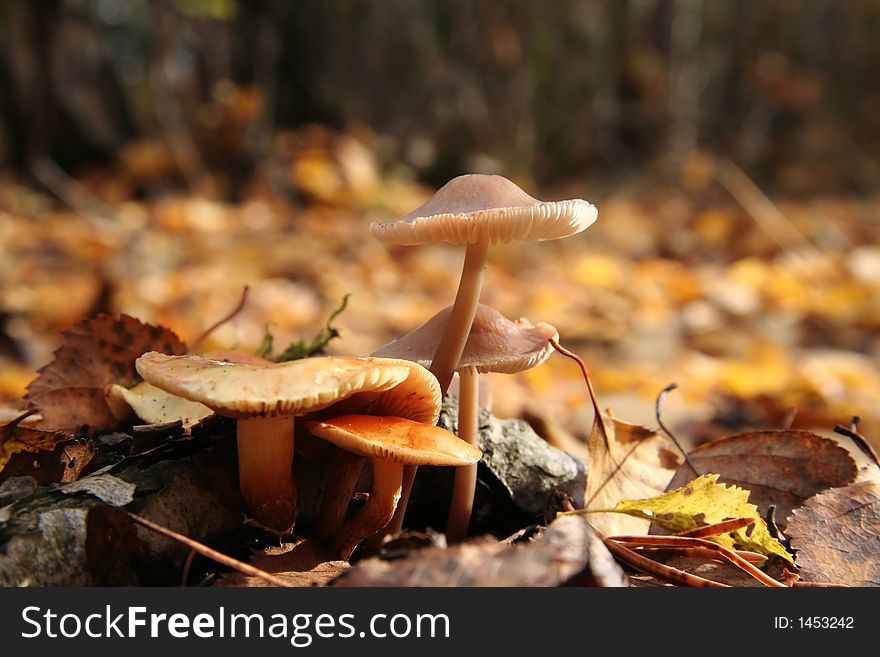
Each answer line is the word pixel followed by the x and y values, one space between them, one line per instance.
pixel 477 207
pixel 495 343
pixel 395 439
pixel 243 390
pixel 154 405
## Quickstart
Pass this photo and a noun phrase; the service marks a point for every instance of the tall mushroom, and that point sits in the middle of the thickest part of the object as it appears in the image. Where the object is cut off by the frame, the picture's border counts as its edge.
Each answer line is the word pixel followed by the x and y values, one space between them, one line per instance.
pixel 477 210
pixel 494 344
pixel 390 442
pixel 265 399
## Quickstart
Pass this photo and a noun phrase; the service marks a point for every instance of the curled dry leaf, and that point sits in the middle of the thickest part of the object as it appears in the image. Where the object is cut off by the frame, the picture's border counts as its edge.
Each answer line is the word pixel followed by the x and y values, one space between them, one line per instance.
pixel 783 468
pixel 47 456
pixel 97 352
pixel 625 461
pixel 837 535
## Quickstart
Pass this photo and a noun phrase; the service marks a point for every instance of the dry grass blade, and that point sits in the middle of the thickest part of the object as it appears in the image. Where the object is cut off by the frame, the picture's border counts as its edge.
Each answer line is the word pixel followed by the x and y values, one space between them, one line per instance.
pixel 727 553
pixel 658 570
pixel 211 553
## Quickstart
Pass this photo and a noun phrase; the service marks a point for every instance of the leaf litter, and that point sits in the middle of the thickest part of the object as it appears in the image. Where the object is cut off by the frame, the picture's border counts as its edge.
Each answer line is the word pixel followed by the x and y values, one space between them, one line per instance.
pixel 717 353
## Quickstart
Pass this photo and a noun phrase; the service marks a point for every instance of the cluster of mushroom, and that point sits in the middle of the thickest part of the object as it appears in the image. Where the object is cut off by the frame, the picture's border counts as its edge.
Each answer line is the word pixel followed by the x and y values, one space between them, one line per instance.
pixel 385 407
pixel 382 409
pixel 468 337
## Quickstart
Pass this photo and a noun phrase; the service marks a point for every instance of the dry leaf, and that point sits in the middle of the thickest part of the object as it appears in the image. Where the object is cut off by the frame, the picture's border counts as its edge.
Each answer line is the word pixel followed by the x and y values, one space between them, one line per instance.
pixel 634 462
pixel 837 535
pixel 705 502
pixel 69 391
pixel 302 563
pixel 47 456
pixel 778 467
pixel 567 552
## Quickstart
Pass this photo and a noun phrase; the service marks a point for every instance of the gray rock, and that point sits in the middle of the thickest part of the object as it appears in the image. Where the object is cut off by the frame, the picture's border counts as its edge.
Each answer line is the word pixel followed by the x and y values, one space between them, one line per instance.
pixel 518 477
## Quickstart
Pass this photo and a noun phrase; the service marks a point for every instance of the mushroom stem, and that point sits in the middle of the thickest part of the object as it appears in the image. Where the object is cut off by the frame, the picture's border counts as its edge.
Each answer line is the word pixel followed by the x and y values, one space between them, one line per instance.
pixel 466 475
pixel 265 475
pixel 461 318
pixel 449 351
pixel 375 514
pixel 342 477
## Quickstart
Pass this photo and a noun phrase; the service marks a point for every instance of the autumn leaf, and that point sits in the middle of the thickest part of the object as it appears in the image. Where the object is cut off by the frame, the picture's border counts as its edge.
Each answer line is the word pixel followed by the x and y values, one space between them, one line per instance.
pixel 625 461
pixel 837 535
pixel 783 468
pixel 97 352
pixel 705 502
pixel 47 456
pixel 567 552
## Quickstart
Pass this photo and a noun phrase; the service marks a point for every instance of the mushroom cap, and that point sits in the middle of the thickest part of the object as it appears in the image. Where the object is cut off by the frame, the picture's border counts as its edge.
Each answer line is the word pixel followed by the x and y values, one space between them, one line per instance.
pixel 246 390
pixel 395 439
pixel 494 344
pixel 477 207
pixel 153 405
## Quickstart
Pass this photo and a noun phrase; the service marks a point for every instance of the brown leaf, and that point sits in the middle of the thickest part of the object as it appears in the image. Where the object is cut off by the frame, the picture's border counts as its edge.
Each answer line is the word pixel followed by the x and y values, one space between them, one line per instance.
pixel 837 535
pixel 300 564
pixel 567 552
pixel 634 463
pixel 47 456
pixel 69 391
pixel 783 467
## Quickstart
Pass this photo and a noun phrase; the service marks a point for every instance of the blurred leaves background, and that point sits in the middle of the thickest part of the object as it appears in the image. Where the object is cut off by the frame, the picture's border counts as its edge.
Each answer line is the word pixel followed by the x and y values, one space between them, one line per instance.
pixel 155 157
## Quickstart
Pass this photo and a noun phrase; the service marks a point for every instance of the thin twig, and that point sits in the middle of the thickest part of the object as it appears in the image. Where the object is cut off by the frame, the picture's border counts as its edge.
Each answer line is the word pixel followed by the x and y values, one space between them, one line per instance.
pixel 568 354
pixel 718 528
pixel 204 550
pixel 860 441
pixel 599 416
pixel 700 553
pixel 657 569
pixel 658 406
pixel 729 554
pixel 184 576
pixel 235 311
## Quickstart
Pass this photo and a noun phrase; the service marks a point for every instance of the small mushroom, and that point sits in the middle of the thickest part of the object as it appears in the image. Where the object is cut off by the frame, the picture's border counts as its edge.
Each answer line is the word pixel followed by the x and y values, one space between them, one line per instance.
pixel 391 442
pixel 265 399
pixel 494 344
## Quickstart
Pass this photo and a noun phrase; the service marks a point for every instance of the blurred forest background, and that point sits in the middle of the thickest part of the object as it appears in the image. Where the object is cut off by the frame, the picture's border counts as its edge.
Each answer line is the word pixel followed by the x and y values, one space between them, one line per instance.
pixel 155 157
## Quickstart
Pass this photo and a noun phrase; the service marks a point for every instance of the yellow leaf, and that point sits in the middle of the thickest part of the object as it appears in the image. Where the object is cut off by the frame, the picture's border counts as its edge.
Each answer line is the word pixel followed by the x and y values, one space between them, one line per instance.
pixel 705 502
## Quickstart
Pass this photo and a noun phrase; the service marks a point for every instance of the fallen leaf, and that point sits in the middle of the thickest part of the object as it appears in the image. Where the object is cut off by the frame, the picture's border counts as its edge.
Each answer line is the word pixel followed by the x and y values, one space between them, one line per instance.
pixel 837 535
pixel 301 563
pixel 705 502
pixel 97 352
pixel 47 456
pixel 566 552
pixel 783 468
pixel 634 462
